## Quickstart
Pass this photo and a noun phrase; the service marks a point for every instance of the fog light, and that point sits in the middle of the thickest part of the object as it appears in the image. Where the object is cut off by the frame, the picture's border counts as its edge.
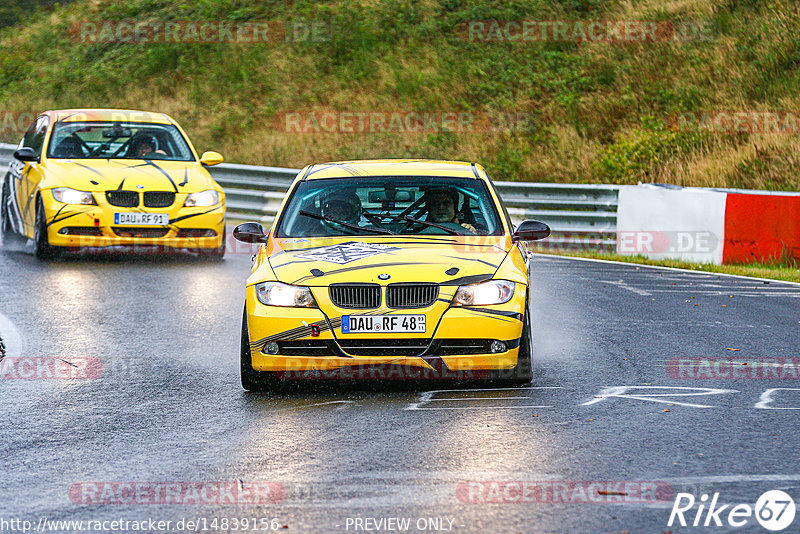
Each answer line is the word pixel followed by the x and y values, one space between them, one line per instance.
pixel 272 348
pixel 498 346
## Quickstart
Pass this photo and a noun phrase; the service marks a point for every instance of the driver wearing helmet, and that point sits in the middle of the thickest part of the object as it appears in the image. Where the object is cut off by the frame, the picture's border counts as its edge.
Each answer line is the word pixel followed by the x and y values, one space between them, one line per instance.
pixel 342 206
pixel 144 146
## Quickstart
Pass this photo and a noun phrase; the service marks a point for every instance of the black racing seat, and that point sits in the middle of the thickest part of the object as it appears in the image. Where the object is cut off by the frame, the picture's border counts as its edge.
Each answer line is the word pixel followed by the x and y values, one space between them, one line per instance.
pixel 69 147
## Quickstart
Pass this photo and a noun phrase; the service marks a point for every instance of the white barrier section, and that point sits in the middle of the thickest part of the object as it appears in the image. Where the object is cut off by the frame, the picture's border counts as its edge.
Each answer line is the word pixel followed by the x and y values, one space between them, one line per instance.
pixel 671 223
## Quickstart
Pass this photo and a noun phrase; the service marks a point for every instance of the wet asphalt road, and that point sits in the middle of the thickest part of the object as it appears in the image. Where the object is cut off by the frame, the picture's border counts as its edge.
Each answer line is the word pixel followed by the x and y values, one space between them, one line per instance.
pixel 168 406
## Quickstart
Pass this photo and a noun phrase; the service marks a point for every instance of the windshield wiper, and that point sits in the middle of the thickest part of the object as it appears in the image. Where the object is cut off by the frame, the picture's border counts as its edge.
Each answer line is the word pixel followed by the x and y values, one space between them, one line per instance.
pixel 375 220
pixel 409 218
pixel 345 224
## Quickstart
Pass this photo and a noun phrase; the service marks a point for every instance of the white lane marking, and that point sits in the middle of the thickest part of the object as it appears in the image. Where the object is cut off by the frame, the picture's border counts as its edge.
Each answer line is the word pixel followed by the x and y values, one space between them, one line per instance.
pixel 731 479
pixel 475 399
pixel 736 293
pixel 391 489
pixel 673 322
pixel 621 392
pixel 730 290
pixel 675 269
pixel 525 407
pixel 623 285
pixel 766 398
pixel 11 337
pixel 342 402
pixel 427 397
pixel 700 485
pixel 446 475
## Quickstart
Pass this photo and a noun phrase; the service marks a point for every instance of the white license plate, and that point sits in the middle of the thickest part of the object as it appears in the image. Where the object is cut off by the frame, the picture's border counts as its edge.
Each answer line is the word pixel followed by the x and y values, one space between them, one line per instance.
pixel 141 219
pixel 372 324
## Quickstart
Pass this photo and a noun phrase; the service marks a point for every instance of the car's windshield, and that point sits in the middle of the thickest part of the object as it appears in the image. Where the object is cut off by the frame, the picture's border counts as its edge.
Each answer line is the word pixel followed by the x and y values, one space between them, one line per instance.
pixel 118 140
pixel 384 205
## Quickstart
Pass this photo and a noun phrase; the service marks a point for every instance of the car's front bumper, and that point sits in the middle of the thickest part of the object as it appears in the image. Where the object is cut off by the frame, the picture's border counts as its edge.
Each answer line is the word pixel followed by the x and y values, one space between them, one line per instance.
pixel 311 342
pixel 88 227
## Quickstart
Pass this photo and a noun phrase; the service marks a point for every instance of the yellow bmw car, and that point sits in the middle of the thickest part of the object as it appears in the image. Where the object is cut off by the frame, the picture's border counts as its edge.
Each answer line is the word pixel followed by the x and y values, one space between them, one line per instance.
pixel 87 178
pixel 388 269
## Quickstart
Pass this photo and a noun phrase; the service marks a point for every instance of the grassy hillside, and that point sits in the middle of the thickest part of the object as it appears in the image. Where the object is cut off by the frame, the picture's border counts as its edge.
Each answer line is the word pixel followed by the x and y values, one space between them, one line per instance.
pixel 14 12
pixel 595 112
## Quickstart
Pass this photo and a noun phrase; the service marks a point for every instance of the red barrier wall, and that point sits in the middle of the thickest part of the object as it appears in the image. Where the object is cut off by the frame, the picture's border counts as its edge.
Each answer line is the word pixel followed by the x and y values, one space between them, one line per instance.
pixel 761 227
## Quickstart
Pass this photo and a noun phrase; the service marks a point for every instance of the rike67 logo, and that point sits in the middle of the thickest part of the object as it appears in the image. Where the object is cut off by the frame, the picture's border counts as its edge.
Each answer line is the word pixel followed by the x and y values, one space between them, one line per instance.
pixel 774 510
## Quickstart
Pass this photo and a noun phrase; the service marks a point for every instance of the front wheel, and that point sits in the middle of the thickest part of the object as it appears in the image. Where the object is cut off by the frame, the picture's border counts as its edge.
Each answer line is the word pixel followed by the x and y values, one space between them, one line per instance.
pixel 253 380
pixel 522 374
pixel 41 244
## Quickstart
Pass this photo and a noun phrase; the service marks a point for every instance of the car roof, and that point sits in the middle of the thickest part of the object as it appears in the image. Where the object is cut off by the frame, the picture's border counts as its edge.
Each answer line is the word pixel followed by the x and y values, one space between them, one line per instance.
pixel 393 167
pixel 116 115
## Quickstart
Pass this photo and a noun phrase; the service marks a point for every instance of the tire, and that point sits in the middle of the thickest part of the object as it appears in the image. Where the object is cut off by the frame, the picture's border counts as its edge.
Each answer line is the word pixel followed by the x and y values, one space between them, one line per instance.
pixel 7 234
pixel 253 380
pixel 522 374
pixel 41 244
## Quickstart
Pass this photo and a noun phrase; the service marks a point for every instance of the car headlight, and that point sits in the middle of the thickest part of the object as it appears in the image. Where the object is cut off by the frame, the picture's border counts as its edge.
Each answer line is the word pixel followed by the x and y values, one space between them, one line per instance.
pixel 279 294
pixel 491 292
pixel 205 198
pixel 73 196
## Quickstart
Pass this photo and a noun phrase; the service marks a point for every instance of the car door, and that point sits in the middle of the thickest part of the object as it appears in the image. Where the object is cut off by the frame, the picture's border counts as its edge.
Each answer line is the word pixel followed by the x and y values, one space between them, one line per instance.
pixel 31 173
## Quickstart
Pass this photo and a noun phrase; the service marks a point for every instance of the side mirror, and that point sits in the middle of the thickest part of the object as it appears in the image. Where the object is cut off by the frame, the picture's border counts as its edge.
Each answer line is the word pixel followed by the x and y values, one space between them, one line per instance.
pixel 211 158
pixel 26 154
pixel 531 230
pixel 250 232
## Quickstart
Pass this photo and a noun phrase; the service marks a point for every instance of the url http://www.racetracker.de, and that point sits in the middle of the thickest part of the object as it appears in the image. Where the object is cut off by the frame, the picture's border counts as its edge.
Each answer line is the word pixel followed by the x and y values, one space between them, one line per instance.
pixel 149 524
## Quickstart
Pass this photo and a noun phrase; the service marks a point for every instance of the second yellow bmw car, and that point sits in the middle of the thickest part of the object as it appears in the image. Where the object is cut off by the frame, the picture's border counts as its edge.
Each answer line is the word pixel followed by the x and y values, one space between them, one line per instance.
pixel 388 269
pixel 86 178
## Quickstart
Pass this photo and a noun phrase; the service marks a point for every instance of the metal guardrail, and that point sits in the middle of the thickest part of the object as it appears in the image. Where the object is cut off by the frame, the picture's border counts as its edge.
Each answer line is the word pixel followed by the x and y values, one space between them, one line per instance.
pixel 582 214
pixel 6 153
pixel 577 213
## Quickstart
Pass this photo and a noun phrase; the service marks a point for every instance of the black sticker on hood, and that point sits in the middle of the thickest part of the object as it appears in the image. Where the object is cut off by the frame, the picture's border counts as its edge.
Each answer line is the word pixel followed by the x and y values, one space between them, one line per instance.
pixel 345 252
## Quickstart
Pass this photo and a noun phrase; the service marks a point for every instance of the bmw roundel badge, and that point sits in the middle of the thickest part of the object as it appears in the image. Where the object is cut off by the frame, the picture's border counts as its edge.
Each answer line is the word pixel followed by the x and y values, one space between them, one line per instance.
pixel 383 276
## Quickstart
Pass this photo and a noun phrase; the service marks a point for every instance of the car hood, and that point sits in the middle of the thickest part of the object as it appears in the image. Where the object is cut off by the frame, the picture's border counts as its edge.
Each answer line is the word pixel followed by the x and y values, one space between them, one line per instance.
pixel 451 260
pixel 103 175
